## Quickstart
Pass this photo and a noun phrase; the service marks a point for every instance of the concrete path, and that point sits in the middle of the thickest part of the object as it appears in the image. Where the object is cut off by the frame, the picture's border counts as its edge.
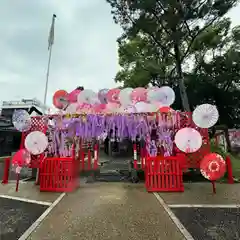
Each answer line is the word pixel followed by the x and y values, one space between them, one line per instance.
pixel 27 190
pixel 114 211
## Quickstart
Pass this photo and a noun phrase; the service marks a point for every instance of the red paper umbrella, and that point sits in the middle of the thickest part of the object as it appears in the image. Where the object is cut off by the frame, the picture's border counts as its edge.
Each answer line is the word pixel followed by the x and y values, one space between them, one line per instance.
pixel 213 166
pixel 21 158
pixel 99 108
pixel 113 95
pixel 60 99
pixel 165 109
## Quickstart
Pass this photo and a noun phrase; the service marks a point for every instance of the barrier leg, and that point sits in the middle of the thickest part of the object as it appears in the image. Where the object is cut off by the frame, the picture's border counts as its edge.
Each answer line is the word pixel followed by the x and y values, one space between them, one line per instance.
pixel 135 165
pixel 6 170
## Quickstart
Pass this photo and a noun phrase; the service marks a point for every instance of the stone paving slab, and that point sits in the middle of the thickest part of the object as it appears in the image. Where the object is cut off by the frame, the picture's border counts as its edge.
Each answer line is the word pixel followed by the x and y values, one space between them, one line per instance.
pixel 210 223
pixel 115 211
pixel 16 217
pixel 201 193
pixel 27 190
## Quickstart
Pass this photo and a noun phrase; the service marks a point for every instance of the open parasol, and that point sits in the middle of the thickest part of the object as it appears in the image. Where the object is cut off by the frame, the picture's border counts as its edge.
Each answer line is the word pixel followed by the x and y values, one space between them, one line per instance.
pixel 188 140
pixel 142 107
pixel 205 115
pixel 213 166
pixel 72 108
pixel 60 99
pixel 139 95
pixel 72 96
pixel 21 120
pixel 20 159
pixel 87 96
pixel 36 142
pixel 113 95
pixel 102 95
pixel 166 96
pixel 125 96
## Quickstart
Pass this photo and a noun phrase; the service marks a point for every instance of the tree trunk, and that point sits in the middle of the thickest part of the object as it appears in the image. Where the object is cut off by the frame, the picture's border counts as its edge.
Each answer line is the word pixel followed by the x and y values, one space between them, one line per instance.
pixel 182 87
pixel 226 133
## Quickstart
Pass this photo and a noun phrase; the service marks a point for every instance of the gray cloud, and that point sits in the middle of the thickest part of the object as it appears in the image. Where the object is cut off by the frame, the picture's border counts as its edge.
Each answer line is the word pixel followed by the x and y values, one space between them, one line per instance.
pixel 84 52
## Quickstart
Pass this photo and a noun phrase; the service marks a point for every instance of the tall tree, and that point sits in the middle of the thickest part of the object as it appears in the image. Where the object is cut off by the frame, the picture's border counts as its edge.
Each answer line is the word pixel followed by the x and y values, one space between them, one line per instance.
pixel 171 26
pixel 213 75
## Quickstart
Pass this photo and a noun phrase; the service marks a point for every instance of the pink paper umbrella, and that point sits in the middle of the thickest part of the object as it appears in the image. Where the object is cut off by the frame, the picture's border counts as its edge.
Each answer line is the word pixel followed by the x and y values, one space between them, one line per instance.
pixel 112 107
pixel 99 108
pixel 139 95
pixel 84 108
pixel 113 95
pixel 72 96
pixel 188 140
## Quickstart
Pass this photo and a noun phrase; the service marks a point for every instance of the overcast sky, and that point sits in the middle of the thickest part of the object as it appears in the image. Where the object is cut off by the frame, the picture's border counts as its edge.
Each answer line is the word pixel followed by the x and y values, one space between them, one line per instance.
pixel 84 52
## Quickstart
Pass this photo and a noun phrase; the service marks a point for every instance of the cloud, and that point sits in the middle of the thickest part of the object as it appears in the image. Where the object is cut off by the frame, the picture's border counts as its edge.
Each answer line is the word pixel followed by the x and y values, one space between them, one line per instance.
pixel 84 52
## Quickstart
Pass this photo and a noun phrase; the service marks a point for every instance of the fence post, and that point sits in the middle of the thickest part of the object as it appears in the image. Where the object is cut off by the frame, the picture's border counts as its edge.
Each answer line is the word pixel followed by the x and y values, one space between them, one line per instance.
pixel 229 170
pixel 6 170
pixel 135 156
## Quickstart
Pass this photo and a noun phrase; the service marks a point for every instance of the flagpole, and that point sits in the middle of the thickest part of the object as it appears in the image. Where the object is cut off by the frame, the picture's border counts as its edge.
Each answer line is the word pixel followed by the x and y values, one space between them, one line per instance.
pixel 50 45
pixel 47 76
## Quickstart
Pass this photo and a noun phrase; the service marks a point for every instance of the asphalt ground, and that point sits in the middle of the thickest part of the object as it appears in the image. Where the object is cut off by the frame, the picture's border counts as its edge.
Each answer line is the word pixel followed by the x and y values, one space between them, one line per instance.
pixel 210 223
pixel 16 217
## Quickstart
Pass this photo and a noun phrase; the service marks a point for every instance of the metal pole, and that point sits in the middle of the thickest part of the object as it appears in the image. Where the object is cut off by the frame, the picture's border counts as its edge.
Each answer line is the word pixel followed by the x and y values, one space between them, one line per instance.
pixel 47 76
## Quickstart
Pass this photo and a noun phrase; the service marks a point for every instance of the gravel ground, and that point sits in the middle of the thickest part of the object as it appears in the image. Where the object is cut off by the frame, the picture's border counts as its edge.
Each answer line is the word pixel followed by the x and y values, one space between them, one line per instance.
pixel 210 223
pixel 16 217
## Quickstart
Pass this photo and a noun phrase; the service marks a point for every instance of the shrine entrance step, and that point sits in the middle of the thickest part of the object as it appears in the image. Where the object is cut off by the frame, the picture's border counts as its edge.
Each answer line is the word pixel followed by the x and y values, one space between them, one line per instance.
pixel 112 177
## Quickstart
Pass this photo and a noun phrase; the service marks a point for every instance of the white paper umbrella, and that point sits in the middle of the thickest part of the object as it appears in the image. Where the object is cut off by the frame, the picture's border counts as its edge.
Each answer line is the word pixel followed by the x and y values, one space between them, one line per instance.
pixel 188 140
pixel 152 107
pixel 205 115
pixel 72 108
pixel 127 109
pixel 36 142
pixel 21 120
pixel 142 107
pixel 87 96
pixel 125 96
pixel 130 109
pixel 166 96
pixel 152 94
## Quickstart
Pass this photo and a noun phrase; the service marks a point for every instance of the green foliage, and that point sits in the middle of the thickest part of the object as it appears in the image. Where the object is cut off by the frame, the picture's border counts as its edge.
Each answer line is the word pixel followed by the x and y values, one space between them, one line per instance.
pixel 219 150
pixel 167 41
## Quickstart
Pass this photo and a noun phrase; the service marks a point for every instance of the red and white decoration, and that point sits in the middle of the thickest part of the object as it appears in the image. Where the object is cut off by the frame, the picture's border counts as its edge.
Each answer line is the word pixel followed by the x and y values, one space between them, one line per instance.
pixel 213 166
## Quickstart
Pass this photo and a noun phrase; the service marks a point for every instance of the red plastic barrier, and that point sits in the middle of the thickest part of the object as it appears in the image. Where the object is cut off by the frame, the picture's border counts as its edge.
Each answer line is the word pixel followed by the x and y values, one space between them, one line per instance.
pixel 89 157
pixel 7 164
pixel 163 174
pixel 58 175
pixel 96 156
